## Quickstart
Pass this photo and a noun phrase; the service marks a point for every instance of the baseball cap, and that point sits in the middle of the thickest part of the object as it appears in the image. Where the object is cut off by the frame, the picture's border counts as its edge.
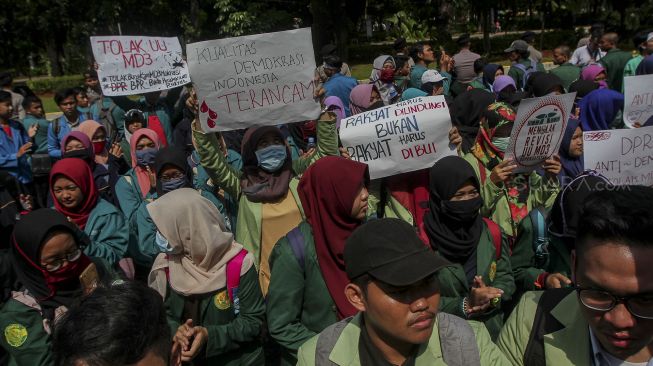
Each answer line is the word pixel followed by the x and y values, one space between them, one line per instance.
pixel 328 49
pixel 134 115
pixel 390 251
pixel 528 35
pixel 517 45
pixel 431 76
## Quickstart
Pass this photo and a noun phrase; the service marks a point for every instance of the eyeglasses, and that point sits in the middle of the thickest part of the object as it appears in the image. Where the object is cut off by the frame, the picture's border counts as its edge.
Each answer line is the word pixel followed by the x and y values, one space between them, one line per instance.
pixel 56 263
pixel 640 306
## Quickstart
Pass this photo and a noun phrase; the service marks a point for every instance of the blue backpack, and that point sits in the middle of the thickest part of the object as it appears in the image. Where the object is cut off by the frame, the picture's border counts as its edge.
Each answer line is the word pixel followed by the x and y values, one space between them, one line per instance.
pixel 527 72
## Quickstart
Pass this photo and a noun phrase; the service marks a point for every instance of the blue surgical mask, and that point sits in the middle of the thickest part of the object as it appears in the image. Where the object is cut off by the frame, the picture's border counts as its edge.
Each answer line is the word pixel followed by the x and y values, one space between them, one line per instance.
pixel 172 184
pixel 162 243
pixel 146 157
pixel 271 158
pixel 501 143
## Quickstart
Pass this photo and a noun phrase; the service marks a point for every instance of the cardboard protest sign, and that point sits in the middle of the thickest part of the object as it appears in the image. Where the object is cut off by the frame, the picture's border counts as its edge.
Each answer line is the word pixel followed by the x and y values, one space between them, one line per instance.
pixel 623 156
pixel 130 65
pixel 538 130
pixel 399 138
pixel 263 79
pixel 638 99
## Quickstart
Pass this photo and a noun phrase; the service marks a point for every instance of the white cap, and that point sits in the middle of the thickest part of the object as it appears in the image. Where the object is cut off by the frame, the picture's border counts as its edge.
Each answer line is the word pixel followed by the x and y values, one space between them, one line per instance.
pixel 649 37
pixel 431 76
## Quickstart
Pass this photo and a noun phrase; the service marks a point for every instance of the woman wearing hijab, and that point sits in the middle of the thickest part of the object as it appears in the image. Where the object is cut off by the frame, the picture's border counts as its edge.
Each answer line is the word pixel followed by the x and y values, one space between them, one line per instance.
pixel 468 109
pixel 595 73
pixel 307 292
pixel 546 84
pixel 75 196
pixel 363 98
pixel 571 153
pixel 505 89
pixel 480 277
pixel 383 76
pixel 47 257
pixel 582 88
pixel 208 283
pixel 490 73
pixel 108 167
pixel 508 197
pixel 269 206
pixel 601 110
pixel 538 268
pixel 334 104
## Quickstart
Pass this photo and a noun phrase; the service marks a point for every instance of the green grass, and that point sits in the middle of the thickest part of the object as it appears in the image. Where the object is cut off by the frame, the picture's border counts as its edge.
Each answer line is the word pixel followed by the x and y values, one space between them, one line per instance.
pixel 48 103
pixel 361 71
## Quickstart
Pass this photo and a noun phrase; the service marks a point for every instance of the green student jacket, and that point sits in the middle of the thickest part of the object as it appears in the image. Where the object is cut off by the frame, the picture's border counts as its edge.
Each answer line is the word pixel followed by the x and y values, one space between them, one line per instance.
pixel 233 339
pixel 299 305
pixel 107 229
pixel 518 74
pixel 454 286
pixel 567 72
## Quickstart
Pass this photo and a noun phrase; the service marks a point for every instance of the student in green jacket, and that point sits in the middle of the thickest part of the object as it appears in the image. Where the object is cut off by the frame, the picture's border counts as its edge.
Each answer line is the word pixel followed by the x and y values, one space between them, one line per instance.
pixel 479 278
pixel 607 317
pixel 307 272
pixel 215 318
pixel 614 61
pixel 508 197
pixel 266 187
pixel 48 259
pixel 394 286
pixel 75 195
pixel 566 71
pixel 521 63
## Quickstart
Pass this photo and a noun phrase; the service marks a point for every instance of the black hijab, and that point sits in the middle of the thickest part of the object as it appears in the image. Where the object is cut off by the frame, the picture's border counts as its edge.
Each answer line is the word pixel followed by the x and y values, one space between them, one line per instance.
pixel 176 157
pixel 545 84
pixel 489 72
pixel 583 87
pixel 468 109
pixel 454 238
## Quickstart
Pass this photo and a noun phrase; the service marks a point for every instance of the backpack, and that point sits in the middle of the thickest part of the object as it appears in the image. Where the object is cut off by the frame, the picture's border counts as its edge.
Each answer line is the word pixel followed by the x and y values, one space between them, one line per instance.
pixel 234 267
pixel 495 233
pixel 296 241
pixel 544 323
pixel 540 238
pixel 527 72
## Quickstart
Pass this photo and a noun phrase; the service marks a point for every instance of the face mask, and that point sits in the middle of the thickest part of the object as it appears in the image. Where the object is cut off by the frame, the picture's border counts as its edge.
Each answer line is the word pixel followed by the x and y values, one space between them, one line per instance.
pixel 162 243
pixel 64 275
pixel 463 211
pixel 172 184
pixel 98 147
pixel 377 104
pixel 79 154
pixel 146 157
pixel 271 158
pixel 501 143
pixel 387 75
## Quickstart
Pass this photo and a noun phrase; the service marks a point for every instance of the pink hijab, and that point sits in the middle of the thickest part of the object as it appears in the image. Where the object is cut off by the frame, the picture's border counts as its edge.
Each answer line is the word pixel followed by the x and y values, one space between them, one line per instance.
pixel 141 173
pixel 89 128
pixel 590 72
pixel 359 99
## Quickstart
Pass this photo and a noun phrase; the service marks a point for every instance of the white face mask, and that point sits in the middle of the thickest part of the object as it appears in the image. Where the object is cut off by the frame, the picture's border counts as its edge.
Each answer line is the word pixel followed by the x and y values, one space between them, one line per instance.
pixel 162 243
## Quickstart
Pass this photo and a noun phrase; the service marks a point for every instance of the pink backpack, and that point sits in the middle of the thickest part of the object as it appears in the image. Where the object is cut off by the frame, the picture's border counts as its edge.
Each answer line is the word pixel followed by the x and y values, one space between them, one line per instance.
pixel 233 278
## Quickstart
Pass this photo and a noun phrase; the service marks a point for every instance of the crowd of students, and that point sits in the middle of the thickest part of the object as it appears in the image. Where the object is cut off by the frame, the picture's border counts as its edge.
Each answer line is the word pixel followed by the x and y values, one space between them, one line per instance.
pixel 271 246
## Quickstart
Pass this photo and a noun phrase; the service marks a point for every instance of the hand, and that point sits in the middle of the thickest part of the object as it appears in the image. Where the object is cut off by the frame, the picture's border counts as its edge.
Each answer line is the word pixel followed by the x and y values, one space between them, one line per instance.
pixel 307 154
pixel 175 354
pixel 182 337
pixel 328 116
pixel 637 124
pixel 454 137
pixel 31 132
pixel 556 280
pixel 502 172
pixel 552 166
pixel 152 176
pixel 344 153
pixel 192 102
pixel 446 62
pixel 481 295
pixel 116 150
pixel 199 335
pixel 23 149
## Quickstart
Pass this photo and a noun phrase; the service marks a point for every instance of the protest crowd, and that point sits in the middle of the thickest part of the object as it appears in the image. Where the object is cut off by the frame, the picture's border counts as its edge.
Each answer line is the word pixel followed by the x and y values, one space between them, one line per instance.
pixel 310 218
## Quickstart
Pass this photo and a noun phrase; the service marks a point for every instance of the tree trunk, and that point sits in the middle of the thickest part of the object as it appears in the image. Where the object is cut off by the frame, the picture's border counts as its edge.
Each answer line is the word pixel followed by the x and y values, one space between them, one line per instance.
pixel 485 24
pixel 56 69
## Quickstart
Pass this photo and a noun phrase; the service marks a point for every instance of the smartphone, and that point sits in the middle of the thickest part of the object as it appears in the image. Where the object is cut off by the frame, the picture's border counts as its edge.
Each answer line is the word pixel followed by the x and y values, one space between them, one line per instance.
pixel 89 279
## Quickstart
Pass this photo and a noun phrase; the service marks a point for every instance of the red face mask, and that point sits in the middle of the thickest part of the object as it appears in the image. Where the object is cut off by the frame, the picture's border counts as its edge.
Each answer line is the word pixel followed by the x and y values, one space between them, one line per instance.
pixel 70 271
pixel 387 75
pixel 98 147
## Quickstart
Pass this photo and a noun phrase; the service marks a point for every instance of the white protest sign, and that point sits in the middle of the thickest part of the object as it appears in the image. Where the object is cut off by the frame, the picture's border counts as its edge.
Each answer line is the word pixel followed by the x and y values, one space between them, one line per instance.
pixel 538 130
pixel 638 99
pixel 623 156
pixel 263 79
pixel 130 65
pixel 399 138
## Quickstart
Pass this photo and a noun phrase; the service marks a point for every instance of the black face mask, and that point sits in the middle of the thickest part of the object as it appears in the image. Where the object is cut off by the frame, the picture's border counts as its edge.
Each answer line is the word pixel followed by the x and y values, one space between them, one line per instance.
pixel 463 211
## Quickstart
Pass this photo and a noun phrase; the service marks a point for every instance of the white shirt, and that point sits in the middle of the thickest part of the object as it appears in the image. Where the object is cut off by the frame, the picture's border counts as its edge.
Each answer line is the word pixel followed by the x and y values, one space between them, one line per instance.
pixel 582 56
pixel 602 358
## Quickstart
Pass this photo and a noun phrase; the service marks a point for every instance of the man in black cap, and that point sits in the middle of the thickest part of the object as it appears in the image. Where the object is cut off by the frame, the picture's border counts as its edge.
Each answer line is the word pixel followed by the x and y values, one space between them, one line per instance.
pixel 320 75
pixel 393 284
pixel 464 65
pixel 522 66
pixel 529 37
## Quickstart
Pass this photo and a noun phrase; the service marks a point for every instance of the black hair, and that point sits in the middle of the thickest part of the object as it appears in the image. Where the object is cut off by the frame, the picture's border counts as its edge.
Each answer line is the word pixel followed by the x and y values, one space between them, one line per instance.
pixel 416 50
pixel 639 38
pixel 5 96
pixel 429 87
pixel 400 61
pixel 117 325
pixel 620 215
pixel 333 60
pixel 5 79
pixel 62 94
pixel 479 65
pixel 90 74
pixel 79 90
pixel 27 102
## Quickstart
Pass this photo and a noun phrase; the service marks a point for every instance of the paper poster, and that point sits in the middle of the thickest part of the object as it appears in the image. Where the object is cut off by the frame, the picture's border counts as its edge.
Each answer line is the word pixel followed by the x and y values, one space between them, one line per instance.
pixel 130 65
pixel 623 156
pixel 399 138
pixel 638 99
pixel 263 79
pixel 538 130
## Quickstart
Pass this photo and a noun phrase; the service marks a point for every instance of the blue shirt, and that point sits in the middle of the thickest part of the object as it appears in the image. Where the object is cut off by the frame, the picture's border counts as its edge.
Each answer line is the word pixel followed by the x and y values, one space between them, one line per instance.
pixel 340 86
pixel 19 167
pixel 54 139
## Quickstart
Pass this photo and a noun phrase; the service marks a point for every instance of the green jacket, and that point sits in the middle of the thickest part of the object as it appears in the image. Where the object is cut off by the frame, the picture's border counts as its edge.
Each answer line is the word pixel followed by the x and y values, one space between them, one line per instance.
pixel 614 62
pixel 233 339
pixel 41 137
pixel 568 73
pixel 568 346
pixel 164 110
pixel 345 351
pixel 248 227
pixel 454 286
pixel 524 268
pixel 518 74
pixel 106 228
pixel 299 305
pixel 631 68
pixel 495 198
pixel 393 208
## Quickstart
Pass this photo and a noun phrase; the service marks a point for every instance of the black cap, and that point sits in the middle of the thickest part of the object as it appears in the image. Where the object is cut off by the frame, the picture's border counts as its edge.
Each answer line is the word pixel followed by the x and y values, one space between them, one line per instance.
pixel 134 115
pixel 528 35
pixel 463 39
pixel 328 49
pixel 390 251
